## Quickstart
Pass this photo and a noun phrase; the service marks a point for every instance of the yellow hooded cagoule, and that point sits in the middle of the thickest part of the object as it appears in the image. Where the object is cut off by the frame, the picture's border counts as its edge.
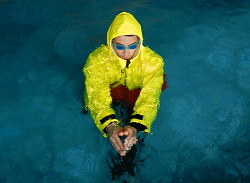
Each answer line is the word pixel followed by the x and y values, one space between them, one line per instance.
pixel 104 69
pixel 124 24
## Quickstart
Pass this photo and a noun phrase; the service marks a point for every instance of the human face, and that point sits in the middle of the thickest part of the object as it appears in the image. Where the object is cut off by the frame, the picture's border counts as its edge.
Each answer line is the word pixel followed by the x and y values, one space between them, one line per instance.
pixel 126 41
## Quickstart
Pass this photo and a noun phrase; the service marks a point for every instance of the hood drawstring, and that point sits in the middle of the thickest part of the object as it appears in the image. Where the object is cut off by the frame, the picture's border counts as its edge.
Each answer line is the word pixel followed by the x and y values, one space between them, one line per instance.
pixel 127 63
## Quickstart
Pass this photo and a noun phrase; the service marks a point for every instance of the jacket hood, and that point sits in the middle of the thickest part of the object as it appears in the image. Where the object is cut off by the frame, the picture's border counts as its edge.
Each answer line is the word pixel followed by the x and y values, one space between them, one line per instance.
pixel 124 24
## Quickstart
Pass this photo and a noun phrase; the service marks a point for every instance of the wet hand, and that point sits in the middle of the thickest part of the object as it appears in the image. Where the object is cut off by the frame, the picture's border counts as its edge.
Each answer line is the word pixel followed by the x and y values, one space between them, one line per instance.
pixel 114 132
pixel 131 138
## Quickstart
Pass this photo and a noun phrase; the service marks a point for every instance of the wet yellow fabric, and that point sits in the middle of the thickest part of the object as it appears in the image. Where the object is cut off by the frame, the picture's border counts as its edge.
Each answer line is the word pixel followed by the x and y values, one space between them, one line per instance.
pixel 103 67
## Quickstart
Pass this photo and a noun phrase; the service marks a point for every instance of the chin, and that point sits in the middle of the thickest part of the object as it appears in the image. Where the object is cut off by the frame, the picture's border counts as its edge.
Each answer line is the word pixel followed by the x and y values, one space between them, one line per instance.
pixel 127 58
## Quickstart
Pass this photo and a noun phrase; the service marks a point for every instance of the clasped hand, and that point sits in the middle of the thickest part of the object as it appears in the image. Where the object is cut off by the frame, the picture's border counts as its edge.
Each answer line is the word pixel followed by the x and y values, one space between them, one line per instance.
pixel 115 132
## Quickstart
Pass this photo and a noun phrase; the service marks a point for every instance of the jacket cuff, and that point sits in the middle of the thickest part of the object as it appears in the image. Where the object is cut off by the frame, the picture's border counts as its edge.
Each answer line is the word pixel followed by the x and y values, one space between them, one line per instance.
pixel 103 120
pixel 105 129
pixel 136 122
pixel 106 121
pixel 138 126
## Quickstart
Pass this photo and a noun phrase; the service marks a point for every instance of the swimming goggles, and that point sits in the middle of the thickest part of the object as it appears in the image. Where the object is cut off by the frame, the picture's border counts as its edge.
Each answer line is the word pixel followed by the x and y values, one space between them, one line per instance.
pixel 122 47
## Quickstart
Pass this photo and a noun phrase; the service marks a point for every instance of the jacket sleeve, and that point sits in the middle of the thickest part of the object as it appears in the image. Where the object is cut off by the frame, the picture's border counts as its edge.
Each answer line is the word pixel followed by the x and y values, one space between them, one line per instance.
pixel 147 104
pixel 98 99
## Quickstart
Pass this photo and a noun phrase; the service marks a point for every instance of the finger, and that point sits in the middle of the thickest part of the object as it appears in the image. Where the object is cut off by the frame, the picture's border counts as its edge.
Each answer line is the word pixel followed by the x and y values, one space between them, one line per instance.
pixel 129 142
pixel 127 145
pixel 126 132
pixel 127 148
pixel 129 131
pixel 120 132
pixel 118 146
pixel 114 144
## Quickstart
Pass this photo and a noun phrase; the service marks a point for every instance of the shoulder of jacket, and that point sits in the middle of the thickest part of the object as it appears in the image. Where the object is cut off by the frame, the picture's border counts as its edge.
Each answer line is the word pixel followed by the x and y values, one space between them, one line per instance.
pixel 96 57
pixel 102 50
pixel 152 55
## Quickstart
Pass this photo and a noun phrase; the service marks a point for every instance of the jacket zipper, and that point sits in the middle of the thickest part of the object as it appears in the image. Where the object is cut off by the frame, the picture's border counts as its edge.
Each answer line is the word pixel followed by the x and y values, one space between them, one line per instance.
pixel 125 73
pixel 127 64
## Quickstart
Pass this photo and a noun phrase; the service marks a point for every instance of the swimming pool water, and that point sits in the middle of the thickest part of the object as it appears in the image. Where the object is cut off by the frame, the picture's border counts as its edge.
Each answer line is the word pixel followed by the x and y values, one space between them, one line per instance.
pixel 201 133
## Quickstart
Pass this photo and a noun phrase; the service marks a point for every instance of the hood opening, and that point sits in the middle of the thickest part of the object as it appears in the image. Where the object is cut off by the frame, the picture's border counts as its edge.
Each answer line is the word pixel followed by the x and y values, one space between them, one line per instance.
pixel 124 24
pixel 137 51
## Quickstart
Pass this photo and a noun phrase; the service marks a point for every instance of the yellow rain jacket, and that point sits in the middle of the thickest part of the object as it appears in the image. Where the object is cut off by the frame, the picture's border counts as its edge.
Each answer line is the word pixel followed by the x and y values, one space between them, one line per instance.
pixel 103 68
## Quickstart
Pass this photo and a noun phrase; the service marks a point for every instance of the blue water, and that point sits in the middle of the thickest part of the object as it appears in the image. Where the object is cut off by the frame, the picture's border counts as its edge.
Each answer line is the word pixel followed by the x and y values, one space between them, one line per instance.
pixel 201 133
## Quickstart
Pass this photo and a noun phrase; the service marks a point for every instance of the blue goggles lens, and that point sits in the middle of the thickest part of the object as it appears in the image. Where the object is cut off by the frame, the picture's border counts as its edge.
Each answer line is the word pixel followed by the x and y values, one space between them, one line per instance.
pixel 122 47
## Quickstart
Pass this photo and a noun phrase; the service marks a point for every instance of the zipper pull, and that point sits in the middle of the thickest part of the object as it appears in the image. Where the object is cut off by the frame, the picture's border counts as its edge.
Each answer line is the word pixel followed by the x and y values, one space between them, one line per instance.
pixel 127 63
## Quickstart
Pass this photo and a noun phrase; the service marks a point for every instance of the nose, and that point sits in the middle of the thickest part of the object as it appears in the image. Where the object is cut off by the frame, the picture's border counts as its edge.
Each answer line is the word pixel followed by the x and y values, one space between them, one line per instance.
pixel 127 53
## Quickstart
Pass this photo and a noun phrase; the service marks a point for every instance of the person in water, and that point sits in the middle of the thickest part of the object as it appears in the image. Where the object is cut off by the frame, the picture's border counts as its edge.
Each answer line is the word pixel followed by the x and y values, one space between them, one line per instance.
pixel 123 70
